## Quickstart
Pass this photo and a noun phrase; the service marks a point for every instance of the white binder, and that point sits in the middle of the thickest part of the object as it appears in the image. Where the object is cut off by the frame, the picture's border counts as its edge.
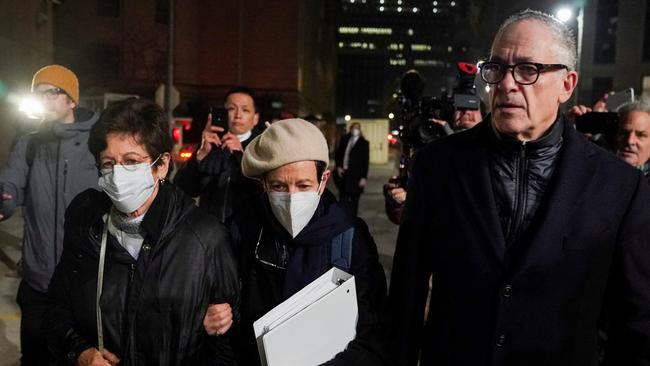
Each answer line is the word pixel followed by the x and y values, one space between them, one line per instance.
pixel 311 326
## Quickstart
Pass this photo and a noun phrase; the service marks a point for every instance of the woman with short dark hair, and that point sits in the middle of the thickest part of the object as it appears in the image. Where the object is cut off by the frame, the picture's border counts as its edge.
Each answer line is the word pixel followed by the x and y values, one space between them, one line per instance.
pixel 139 259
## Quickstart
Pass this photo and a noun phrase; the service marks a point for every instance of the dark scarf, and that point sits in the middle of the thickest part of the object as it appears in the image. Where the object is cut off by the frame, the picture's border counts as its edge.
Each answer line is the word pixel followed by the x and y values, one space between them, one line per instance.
pixel 310 249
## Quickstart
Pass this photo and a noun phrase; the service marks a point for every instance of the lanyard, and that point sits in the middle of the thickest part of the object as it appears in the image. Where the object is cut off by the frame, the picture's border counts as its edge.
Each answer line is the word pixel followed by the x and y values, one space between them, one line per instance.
pixel 100 282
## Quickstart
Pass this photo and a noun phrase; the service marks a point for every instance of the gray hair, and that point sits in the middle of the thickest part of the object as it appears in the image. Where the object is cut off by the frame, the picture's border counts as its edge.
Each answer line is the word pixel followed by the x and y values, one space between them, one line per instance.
pixel 560 30
pixel 627 108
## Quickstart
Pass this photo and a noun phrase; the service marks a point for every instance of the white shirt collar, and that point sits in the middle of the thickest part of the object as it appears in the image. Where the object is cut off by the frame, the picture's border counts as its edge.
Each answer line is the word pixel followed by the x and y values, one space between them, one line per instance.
pixel 244 136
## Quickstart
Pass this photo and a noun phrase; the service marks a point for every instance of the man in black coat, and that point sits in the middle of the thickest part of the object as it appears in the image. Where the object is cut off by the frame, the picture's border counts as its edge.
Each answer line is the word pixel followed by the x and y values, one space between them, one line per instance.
pixel 533 236
pixel 214 171
pixel 352 157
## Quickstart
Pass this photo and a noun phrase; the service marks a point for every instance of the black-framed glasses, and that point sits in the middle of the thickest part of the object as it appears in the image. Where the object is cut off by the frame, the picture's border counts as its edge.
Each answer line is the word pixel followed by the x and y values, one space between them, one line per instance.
pixel 524 73
pixel 282 256
pixel 50 94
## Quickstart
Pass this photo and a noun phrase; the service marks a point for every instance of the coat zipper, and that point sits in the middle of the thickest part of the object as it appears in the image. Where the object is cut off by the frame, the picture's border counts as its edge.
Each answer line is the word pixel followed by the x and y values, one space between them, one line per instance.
pixel 225 201
pixel 56 202
pixel 520 196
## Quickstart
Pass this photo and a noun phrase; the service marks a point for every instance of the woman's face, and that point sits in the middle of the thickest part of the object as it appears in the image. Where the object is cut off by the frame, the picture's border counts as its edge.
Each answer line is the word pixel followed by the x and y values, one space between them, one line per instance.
pixel 123 149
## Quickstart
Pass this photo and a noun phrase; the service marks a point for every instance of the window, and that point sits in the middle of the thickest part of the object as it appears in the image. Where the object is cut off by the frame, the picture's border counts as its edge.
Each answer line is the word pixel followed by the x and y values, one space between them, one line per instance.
pixel 646 34
pixel 606 25
pixel 162 11
pixel 108 8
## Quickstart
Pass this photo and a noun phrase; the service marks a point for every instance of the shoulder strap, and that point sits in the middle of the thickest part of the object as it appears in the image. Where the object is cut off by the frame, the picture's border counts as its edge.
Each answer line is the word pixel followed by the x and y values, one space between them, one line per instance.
pixel 30 153
pixel 341 253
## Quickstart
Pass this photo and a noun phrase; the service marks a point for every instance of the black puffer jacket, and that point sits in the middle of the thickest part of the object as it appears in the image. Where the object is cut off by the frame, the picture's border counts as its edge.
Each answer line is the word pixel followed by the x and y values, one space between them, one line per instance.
pixel 152 308
pixel 520 172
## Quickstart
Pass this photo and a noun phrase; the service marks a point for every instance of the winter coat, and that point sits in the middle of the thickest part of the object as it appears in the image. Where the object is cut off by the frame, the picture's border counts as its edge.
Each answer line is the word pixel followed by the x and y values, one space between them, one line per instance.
pixel 358 161
pixel 218 181
pixel 539 301
pixel 153 307
pixel 305 258
pixel 45 171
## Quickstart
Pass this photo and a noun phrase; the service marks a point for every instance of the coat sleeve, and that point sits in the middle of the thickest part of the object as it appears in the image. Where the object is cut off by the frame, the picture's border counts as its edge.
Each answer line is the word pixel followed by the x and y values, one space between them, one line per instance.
pixel 365 159
pixel 13 177
pixel 64 342
pixel 404 317
pixel 628 293
pixel 225 289
pixel 370 282
pixel 194 176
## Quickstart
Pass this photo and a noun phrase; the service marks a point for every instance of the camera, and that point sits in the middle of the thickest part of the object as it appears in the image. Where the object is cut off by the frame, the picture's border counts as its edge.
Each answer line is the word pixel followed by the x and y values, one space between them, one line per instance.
pixel 417 111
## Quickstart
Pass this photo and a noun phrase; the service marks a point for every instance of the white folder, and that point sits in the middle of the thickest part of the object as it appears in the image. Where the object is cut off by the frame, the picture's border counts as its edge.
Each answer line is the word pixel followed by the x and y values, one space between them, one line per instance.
pixel 311 326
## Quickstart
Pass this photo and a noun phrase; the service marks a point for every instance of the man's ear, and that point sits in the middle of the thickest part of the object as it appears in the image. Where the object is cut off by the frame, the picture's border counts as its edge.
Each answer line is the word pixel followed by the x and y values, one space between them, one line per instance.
pixel 569 84
pixel 256 118
pixel 323 182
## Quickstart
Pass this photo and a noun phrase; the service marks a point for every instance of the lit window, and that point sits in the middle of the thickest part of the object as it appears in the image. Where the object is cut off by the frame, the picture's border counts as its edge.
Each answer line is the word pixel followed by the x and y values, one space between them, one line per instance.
pixel 410 32
pixel 381 8
pixel 399 2
pixel 415 10
pixel 449 49
pixel 399 9
pixel 348 30
pixel 372 30
pixel 435 10
pixel 435 3
pixel 341 44
pixel 453 3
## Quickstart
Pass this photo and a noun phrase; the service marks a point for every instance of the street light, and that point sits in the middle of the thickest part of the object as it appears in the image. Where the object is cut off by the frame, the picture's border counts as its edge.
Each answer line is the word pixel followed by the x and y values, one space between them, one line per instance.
pixel 564 14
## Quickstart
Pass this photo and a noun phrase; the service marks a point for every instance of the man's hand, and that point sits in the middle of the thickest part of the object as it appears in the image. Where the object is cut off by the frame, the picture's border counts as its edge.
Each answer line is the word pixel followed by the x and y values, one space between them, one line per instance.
pixel 577 111
pixel 601 104
pixel 363 182
pixel 5 197
pixel 340 171
pixel 92 357
pixel 440 122
pixel 231 143
pixel 398 194
pixel 218 319
pixel 208 137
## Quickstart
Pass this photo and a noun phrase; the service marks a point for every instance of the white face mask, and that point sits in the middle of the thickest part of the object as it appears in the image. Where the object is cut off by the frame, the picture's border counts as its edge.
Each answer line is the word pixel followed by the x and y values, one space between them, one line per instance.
pixel 294 210
pixel 128 188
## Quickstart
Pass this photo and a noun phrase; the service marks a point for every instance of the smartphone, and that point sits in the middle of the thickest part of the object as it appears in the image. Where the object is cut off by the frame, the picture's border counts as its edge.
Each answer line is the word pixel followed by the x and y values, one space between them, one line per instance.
pixel 220 119
pixel 598 122
pixel 617 99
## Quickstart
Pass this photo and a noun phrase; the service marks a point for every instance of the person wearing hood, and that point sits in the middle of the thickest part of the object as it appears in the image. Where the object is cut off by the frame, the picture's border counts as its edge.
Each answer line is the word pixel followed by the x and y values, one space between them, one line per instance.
pixel 45 171
pixel 285 242
pixel 140 262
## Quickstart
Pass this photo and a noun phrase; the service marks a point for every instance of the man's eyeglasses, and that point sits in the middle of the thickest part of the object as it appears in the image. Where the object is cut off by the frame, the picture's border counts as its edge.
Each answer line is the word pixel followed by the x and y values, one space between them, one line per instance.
pixel 50 94
pixel 524 73
pixel 129 164
pixel 281 259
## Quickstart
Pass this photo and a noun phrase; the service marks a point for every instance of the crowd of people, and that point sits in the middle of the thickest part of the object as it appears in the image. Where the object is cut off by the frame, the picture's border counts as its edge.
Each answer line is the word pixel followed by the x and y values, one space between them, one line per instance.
pixel 520 241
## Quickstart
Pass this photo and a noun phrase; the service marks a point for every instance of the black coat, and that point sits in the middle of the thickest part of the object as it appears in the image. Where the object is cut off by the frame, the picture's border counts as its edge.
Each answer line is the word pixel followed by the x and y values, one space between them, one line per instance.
pixel 264 287
pixel 539 301
pixel 357 165
pixel 152 308
pixel 218 181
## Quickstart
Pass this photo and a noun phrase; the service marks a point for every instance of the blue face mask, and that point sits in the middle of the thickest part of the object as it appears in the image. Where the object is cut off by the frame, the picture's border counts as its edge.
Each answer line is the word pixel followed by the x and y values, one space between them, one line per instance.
pixel 128 186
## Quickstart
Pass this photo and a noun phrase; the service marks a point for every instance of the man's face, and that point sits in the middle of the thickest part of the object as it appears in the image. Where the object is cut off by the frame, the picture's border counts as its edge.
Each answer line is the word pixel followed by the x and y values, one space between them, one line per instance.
pixel 300 176
pixel 242 116
pixel 467 118
pixel 525 112
pixel 57 105
pixel 633 139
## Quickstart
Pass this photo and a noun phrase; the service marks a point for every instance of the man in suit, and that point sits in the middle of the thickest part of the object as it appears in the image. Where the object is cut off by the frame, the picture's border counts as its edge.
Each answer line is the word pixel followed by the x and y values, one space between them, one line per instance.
pixel 352 157
pixel 534 236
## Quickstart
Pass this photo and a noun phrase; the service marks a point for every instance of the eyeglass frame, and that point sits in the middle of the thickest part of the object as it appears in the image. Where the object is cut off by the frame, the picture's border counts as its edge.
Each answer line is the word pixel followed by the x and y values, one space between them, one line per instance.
pixel 257 257
pixel 538 66
pixel 107 170
pixel 50 94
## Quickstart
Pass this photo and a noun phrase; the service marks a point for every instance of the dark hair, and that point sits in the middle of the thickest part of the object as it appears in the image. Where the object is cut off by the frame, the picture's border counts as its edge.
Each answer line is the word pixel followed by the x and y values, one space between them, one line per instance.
pixel 142 119
pixel 320 169
pixel 242 90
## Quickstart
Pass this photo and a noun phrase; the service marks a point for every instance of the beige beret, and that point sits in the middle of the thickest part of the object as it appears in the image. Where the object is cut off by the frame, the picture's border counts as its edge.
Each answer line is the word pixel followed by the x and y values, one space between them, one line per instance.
pixel 284 142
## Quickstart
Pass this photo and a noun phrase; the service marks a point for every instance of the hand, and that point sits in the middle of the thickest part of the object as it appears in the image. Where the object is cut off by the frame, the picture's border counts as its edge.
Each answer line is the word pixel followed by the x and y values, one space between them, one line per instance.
pixel 92 357
pixel 218 319
pixel 398 194
pixel 5 197
pixel 363 182
pixel 340 171
pixel 440 122
pixel 208 137
pixel 601 104
pixel 577 111
pixel 231 143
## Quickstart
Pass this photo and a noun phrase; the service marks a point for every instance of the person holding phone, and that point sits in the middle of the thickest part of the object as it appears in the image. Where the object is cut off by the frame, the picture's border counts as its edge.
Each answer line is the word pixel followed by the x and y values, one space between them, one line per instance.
pixel 214 172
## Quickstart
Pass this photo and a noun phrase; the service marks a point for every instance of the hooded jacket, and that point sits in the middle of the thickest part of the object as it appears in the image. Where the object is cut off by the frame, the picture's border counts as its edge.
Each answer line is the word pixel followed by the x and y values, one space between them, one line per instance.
pixel 45 171
pixel 153 307
pixel 304 258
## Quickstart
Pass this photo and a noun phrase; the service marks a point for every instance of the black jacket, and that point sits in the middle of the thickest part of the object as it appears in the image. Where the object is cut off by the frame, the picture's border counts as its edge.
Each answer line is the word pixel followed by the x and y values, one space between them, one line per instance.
pixel 357 164
pixel 152 308
pixel 264 287
pixel 218 180
pixel 537 302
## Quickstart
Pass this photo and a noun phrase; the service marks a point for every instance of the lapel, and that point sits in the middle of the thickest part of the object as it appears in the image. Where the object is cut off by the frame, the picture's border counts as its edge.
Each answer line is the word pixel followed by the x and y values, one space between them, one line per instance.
pixel 472 169
pixel 576 166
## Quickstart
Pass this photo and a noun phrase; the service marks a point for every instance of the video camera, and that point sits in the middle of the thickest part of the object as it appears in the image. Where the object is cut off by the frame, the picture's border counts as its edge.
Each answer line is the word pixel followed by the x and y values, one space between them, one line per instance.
pixel 416 128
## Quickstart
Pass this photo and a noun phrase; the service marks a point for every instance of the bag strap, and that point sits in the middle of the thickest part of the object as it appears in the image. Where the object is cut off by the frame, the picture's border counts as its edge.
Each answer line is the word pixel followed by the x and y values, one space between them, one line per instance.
pixel 100 282
pixel 341 250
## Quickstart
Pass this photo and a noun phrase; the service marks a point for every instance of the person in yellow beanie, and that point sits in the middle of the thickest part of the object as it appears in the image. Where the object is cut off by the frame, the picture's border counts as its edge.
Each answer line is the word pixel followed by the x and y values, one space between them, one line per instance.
pixel 45 171
pixel 294 233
